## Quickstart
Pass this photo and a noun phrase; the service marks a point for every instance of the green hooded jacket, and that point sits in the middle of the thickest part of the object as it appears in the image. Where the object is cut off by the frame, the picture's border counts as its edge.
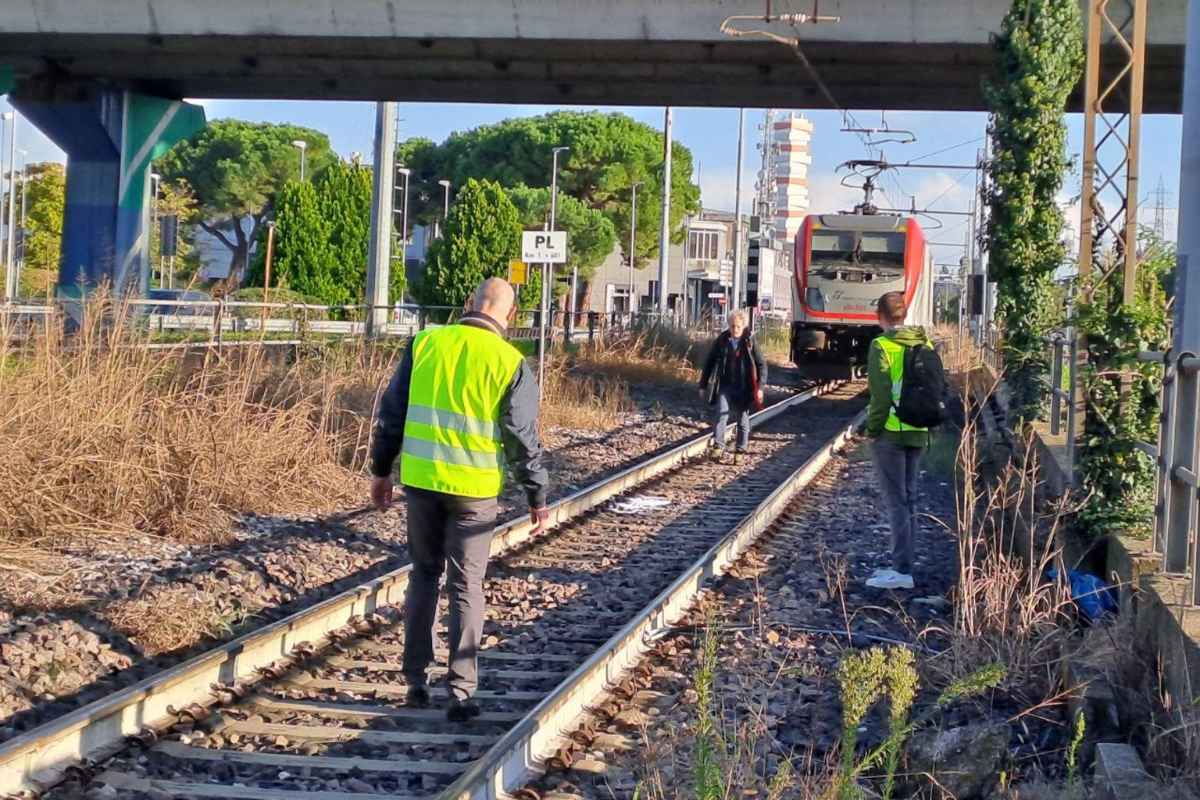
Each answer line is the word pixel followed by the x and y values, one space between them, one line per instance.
pixel 880 382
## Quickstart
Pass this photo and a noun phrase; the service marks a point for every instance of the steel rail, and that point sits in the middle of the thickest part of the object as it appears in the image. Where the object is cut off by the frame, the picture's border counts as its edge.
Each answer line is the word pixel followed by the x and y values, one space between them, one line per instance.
pixel 516 757
pixel 40 758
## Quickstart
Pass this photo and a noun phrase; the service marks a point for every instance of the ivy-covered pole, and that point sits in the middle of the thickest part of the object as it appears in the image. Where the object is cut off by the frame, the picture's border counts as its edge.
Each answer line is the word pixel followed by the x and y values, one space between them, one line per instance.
pixel 1039 54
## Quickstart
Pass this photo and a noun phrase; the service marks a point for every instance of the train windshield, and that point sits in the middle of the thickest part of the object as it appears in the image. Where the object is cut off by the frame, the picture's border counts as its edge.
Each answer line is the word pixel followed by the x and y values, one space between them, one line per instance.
pixel 857 256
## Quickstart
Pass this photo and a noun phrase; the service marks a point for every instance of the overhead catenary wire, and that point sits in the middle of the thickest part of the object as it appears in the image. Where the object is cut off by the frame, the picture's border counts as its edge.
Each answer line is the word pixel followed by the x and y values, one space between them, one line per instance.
pixel 976 140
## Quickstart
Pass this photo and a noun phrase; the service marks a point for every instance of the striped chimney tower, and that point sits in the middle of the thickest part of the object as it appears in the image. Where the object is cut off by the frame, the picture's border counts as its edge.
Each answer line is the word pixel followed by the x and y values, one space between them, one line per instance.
pixel 791 137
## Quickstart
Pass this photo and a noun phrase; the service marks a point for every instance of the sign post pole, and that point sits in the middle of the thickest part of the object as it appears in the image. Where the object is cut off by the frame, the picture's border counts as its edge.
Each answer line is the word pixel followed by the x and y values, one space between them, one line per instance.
pixel 546 247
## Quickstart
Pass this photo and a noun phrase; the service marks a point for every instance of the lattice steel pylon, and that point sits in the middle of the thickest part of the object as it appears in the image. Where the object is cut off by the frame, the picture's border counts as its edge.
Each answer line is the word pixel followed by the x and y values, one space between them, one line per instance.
pixel 1110 163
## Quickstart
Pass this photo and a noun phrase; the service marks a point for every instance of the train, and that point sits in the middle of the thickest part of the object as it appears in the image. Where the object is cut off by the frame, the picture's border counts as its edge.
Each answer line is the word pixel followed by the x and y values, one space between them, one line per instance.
pixel 843 264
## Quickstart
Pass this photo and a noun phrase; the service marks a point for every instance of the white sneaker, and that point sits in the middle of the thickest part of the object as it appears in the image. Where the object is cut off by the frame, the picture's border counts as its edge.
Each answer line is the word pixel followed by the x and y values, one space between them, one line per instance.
pixel 890 579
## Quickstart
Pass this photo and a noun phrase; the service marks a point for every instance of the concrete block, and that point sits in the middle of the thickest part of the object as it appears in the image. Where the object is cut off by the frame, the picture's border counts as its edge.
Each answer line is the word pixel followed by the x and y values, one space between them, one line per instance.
pixel 1167 625
pixel 1128 561
pixel 1119 774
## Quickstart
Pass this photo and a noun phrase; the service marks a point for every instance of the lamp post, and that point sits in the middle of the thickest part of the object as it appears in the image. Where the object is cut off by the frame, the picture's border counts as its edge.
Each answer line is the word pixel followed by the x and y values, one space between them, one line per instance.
pixel 407 173
pixel 302 146
pixel 10 274
pixel 572 301
pixel 545 305
pixel 155 184
pixel 632 243
pixel 445 184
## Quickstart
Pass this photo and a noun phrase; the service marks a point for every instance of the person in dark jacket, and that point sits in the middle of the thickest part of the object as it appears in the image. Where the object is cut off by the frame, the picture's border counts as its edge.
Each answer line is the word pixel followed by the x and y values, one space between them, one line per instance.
pixel 738 372
pixel 462 405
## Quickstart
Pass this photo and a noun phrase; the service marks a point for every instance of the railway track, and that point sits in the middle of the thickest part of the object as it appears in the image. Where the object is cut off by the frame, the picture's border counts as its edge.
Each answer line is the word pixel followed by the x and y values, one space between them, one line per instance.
pixel 312 706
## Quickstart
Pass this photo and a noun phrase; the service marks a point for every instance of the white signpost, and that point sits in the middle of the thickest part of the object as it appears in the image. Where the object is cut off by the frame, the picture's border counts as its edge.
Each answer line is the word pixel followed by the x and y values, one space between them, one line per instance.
pixel 546 247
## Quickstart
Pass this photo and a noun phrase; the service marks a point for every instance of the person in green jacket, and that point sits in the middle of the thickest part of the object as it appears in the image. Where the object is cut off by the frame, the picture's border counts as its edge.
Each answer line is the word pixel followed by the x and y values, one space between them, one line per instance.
pixel 896 447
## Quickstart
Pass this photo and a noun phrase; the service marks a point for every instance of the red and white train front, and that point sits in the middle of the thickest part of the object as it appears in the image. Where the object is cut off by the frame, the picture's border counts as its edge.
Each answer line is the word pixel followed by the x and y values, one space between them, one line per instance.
pixel 844 263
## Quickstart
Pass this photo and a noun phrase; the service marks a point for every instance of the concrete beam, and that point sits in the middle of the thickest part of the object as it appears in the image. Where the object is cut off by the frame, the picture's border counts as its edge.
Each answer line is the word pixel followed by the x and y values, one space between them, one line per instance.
pixel 929 54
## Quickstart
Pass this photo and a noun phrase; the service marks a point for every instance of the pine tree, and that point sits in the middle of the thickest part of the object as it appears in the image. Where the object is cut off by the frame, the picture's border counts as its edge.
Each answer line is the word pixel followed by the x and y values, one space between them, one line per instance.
pixel 482 235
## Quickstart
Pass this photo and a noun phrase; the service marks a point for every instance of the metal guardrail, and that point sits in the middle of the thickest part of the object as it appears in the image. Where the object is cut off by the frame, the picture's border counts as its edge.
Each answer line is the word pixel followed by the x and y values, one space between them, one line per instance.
pixel 1064 363
pixel 1177 488
pixel 219 318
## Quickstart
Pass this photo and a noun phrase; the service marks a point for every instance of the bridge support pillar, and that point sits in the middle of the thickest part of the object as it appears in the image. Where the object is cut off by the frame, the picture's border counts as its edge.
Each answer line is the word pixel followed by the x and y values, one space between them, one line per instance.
pixel 110 137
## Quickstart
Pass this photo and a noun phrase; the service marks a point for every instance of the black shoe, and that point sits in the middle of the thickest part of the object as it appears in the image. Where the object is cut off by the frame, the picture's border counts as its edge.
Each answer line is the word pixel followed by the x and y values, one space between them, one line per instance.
pixel 417 696
pixel 462 710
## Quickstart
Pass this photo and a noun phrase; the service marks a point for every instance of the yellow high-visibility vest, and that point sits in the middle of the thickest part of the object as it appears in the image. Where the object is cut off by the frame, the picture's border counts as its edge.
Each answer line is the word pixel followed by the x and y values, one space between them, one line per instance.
pixel 452 441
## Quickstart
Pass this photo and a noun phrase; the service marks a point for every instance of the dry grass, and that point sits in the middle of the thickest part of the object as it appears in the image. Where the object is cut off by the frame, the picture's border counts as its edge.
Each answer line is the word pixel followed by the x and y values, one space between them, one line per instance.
pixel 1004 609
pixel 100 437
pixel 658 355
pixel 170 619
pixel 582 402
pixel 775 339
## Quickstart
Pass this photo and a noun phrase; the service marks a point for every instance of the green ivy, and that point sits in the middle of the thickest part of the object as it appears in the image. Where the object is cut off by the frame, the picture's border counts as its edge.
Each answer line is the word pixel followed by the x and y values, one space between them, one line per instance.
pixel 1117 476
pixel 1040 58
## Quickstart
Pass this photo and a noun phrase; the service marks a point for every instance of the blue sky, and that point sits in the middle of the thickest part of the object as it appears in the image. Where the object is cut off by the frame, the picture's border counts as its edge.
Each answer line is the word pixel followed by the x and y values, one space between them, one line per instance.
pixel 712 136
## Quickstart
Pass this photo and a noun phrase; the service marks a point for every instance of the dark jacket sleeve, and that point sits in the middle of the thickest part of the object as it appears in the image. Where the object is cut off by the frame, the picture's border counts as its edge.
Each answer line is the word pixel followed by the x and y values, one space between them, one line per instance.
pixel 710 363
pixel 519 430
pixel 760 364
pixel 389 422
pixel 879 381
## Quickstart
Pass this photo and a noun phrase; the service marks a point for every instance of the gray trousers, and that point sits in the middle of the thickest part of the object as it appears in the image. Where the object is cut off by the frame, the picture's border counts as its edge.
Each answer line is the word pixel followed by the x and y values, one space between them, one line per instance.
pixel 725 408
pixel 898 468
pixel 452 534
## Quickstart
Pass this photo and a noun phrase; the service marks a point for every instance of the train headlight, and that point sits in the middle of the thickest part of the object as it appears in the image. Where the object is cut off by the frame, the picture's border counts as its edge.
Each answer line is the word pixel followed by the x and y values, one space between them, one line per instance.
pixel 815 299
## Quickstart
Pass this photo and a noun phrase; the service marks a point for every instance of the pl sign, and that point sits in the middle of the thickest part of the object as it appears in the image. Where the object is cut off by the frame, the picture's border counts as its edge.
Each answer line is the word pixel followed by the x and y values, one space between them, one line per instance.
pixel 544 247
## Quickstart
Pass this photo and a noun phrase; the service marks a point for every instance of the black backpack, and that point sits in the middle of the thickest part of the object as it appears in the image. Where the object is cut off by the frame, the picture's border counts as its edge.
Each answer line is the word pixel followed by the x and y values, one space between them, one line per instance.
pixel 923 389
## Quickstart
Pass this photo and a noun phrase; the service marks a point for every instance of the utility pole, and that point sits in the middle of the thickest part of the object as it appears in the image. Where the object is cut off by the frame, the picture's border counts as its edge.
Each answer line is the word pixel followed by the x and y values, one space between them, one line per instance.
pixel 379 257
pixel 547 275
pixel 632 245
pixel 10 262
pixel 1160 210
pixel 664 239
pixel 736 301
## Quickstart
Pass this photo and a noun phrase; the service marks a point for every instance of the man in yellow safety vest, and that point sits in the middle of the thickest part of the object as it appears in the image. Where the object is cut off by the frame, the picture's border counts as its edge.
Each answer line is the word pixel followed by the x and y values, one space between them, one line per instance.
pixel 461 408
pixel 897 446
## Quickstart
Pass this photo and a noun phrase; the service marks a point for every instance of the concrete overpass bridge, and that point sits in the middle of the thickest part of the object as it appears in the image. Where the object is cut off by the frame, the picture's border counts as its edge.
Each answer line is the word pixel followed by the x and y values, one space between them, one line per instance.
pixel 896 54
pixel 80 70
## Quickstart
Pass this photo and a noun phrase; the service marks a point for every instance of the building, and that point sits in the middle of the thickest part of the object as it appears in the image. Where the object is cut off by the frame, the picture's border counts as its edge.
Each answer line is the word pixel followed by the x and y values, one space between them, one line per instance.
pixel 786 176
pixel 706 256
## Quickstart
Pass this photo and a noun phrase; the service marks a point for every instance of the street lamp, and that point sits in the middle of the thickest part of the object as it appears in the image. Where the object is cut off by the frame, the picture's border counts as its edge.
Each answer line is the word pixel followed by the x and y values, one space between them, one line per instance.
pixel 10 276
pixel 155 184
pixel 545 304
pixel 302 146
pixel 445 184
pixel 632 243
pixel 407 173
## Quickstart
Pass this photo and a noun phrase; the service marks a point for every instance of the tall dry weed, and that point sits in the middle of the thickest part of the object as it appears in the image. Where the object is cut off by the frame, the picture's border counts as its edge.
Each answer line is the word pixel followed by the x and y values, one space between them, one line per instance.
pixel 1006 610
pixel 655 355
pixel 101 436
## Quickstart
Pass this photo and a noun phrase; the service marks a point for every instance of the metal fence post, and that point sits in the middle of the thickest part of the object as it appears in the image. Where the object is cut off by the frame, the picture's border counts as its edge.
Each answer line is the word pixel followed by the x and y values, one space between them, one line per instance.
pixel 1166 452
pixel 1056 365
pixel 592 320
pixel 1072 395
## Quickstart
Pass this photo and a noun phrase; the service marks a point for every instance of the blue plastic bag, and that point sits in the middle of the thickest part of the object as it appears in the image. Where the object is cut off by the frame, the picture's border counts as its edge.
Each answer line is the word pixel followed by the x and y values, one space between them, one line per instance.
pixel 1095 598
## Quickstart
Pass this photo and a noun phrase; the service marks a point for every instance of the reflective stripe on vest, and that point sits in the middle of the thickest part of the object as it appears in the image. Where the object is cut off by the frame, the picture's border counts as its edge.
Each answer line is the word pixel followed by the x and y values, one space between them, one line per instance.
pixel 452 433
pixel 893 354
